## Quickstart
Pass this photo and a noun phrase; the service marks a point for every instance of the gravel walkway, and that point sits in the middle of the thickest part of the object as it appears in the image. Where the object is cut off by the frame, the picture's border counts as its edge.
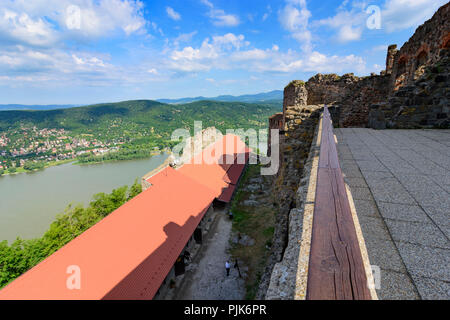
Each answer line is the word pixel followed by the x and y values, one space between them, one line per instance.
pixel 207 279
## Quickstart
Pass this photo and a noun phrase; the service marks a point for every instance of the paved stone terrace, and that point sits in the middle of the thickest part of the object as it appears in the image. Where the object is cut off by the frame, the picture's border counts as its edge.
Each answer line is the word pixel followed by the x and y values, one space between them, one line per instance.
pixel 400 183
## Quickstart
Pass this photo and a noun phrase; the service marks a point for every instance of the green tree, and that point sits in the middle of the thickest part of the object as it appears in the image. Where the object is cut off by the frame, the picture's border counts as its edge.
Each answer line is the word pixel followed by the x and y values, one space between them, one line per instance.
pixel 104 204
pixel 135 189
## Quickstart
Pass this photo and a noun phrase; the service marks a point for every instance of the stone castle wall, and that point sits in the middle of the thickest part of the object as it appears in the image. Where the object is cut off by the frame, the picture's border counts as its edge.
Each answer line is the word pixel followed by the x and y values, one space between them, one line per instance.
pixel 352 94
pixel 421 50
pixel 403 89
pixel 299 122
pixel 422 104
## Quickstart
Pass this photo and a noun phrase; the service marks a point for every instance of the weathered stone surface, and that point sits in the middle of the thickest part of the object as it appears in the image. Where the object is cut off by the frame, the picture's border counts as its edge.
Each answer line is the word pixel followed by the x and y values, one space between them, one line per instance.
pixel 282 282
pixel 424 48
pixel 376 118
pixel 353 94
pixel 299 124
pixel 422 104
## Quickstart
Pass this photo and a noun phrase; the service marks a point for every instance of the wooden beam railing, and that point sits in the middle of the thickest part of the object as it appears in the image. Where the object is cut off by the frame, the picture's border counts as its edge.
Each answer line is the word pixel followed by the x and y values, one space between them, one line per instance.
pixel 336 269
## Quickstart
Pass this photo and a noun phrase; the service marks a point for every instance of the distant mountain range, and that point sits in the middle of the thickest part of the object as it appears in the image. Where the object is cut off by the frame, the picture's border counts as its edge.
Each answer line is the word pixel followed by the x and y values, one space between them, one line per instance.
pixel 275 96
pixel 6 107
pixel 272 96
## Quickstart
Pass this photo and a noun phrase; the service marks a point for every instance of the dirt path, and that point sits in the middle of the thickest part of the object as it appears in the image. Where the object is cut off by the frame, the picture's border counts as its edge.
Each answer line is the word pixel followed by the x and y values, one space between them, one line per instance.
pixel 207 279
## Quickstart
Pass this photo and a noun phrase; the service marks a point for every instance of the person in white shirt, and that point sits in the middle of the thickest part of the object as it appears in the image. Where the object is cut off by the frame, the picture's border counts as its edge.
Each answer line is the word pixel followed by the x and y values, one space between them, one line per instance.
pixel 227 267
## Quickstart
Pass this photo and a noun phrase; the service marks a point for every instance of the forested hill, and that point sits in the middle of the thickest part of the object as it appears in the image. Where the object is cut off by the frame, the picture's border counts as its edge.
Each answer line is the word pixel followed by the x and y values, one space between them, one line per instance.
pixel 132 116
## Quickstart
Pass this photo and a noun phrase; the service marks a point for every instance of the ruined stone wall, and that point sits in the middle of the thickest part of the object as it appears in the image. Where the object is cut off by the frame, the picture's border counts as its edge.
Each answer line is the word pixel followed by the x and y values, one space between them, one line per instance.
pixel 422 104
pixel 299 121
pixel 354 108
pixel 422 49
pixel 404 67
pixel 390 58
pixel 352 94
pixel 286 278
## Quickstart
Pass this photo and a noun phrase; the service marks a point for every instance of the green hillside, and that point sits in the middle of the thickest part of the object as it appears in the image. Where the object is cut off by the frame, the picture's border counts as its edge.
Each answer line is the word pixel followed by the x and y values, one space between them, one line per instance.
pixel 129 116
pixel 133 129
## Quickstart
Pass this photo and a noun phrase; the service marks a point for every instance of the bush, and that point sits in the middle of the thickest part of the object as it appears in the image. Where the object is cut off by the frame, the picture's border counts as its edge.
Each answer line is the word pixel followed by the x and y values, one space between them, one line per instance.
pixel 30 166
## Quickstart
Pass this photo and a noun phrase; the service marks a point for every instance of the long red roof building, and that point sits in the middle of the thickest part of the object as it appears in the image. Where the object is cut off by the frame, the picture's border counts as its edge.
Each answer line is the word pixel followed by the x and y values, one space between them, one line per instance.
pixel 129 253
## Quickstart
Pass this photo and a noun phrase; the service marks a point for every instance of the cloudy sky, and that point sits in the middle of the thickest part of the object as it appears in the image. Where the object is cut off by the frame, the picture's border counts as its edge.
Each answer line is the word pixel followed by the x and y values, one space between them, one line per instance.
pixel 89 51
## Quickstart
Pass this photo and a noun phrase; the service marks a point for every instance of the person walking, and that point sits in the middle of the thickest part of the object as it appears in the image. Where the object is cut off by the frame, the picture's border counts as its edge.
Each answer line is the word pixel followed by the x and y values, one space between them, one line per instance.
pixel 227 267
pixel 236 266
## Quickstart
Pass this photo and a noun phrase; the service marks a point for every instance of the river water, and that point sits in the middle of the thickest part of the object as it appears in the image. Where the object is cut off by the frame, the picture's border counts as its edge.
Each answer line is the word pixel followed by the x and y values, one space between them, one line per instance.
pixel 29 202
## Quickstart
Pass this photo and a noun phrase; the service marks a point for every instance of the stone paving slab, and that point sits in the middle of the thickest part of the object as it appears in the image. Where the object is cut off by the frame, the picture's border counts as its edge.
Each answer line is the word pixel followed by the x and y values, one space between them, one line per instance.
pixel 425 261
pixel 426 191
pixel 389 190
pixel 384 254
pixel 366 208
pixel 418 233
pixel 432 289
pixel 356 182
pixel 442 180
pixel 396 286
pixel 360 193
pixel 404 210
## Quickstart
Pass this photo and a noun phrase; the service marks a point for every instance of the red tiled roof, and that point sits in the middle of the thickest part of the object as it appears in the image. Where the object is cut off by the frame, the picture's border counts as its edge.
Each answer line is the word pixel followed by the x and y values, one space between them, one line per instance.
pixel 215 175
pixel 128 254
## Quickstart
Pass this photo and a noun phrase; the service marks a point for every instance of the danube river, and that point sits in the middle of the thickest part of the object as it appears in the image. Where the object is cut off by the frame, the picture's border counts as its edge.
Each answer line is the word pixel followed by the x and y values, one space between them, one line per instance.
pixel 29 202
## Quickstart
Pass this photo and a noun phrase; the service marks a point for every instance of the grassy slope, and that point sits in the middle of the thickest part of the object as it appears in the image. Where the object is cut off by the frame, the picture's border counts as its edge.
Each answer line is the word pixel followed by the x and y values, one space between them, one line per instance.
pixel 258 223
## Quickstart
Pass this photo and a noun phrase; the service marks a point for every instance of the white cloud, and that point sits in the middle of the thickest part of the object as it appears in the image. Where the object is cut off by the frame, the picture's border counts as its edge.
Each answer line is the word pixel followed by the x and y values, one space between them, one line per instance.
pixel 90 61
pixel 349 33
pixel 294 17
pixel 348 22
pixel 230 40
pixel 173 14
pixel 50 22
pixel 219 17
pixel 250 55
pixel 211 54
pixel 227 53
pixel 184 37
pixel 291 62
pixel 267 14
pixel 22 28
pixel 403 14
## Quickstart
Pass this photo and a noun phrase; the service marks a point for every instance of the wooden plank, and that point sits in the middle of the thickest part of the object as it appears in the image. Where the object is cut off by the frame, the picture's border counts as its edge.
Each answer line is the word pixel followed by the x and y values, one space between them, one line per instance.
pixel 336 269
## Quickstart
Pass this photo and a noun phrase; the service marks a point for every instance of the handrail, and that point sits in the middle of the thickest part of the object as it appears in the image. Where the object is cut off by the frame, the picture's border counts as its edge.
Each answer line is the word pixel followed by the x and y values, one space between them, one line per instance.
pixel 336 269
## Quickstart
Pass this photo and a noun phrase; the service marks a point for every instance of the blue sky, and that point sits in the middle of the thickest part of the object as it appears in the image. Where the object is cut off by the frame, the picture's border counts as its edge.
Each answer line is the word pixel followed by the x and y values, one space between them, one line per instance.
pixel 90 51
